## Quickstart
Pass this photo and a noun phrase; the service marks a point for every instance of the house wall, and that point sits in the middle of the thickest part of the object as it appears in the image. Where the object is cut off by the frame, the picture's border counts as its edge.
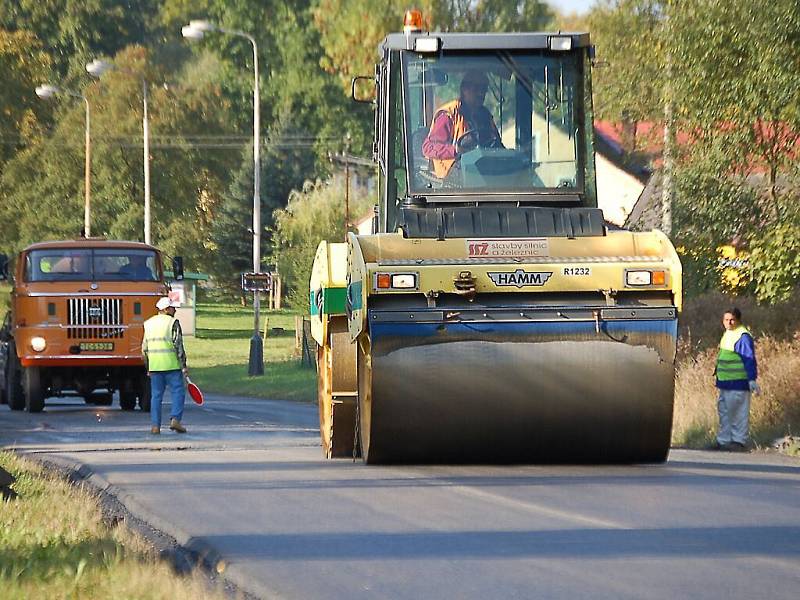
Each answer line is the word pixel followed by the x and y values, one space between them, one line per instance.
pixel 617 190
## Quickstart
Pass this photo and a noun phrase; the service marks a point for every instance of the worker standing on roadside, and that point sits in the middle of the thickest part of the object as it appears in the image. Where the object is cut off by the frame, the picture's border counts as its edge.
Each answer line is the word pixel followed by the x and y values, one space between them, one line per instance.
pixel 165 358
pixel 736 374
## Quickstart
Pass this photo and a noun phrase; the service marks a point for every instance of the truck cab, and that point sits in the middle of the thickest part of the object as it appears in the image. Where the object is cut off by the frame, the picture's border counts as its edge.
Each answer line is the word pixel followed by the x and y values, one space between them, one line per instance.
pixel 76 322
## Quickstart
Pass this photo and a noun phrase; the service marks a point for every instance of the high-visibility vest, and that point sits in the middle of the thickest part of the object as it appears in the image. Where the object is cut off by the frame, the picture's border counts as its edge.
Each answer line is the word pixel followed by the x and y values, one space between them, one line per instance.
pixel 442 166
pixel 161 355
pixel 730 366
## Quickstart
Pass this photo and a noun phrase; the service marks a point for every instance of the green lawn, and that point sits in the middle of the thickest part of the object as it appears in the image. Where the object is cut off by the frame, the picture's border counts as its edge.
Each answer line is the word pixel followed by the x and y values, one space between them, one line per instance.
pixel 218 354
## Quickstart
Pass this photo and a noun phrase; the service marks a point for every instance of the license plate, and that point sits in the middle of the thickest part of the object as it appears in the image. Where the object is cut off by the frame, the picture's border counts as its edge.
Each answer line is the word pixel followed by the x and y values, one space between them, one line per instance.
pixel 97 346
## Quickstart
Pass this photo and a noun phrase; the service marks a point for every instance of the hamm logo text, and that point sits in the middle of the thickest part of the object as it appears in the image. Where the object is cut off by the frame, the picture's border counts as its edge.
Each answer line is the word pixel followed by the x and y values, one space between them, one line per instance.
pixel 520 278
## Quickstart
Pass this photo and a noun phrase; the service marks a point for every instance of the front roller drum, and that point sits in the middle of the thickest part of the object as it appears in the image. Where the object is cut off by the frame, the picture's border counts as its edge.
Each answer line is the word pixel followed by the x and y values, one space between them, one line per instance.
pixel 516 393
pixel 336 391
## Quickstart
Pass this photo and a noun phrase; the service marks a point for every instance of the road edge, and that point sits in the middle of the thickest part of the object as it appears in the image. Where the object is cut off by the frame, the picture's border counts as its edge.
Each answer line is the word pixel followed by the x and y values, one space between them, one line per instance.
pixel 182 551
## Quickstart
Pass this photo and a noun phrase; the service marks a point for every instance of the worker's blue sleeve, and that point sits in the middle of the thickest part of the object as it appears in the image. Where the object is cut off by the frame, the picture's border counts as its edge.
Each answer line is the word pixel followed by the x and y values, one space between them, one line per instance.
pixel 746 349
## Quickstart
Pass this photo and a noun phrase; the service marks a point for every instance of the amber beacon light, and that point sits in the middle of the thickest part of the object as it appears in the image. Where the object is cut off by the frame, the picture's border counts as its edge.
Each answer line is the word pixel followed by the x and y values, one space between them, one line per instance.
pixel 412 21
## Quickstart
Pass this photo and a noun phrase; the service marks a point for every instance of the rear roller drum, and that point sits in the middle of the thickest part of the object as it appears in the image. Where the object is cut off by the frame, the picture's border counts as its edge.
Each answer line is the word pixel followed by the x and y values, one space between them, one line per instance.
pixel 336 390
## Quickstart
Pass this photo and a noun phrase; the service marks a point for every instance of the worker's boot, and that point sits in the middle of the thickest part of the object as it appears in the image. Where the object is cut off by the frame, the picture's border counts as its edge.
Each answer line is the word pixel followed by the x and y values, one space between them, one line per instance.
pixel 155 430
pixel 176 426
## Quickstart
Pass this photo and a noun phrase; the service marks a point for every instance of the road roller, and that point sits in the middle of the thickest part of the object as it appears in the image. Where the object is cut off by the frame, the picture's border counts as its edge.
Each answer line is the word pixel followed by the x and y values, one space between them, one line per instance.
pixel 492 315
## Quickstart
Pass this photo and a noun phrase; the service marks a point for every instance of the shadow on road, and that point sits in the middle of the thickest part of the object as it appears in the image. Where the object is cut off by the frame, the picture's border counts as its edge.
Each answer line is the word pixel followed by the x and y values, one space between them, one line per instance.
pixel 702 542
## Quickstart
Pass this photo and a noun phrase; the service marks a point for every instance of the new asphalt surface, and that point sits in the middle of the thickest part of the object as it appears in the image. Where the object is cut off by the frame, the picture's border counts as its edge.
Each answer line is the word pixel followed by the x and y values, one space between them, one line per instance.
pixel 247 485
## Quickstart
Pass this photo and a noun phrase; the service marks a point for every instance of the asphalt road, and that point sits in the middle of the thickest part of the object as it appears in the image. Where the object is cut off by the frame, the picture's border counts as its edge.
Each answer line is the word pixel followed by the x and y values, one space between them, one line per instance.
pixel 248 482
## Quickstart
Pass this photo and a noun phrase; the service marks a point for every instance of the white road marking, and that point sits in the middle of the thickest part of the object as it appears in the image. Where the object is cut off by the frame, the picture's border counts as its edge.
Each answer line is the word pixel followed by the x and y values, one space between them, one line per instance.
pixel 538 508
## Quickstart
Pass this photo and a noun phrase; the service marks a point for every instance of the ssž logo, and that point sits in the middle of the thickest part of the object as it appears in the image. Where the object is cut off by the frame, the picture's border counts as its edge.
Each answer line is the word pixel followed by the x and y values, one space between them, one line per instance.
pixel 520 278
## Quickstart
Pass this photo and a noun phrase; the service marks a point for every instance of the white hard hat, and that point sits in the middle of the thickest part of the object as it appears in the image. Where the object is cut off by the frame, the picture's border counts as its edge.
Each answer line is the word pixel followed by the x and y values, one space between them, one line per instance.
pixel 165 302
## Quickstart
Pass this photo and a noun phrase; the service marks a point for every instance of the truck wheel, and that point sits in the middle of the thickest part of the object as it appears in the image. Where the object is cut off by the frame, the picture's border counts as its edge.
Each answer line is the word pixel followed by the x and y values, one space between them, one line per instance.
pixel 127 400
pixel 144 394
pixel 34 393
pixel 102 399
pixel 14 395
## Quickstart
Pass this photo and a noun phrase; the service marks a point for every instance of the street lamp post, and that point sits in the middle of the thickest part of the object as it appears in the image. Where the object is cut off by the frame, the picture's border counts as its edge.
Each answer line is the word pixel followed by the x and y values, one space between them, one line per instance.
pixel 96 68
pixel 196 30
pixel 47 91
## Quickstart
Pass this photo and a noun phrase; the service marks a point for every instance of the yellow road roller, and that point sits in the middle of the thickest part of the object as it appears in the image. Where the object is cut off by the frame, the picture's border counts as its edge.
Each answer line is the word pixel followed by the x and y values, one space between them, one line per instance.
pixel 492 315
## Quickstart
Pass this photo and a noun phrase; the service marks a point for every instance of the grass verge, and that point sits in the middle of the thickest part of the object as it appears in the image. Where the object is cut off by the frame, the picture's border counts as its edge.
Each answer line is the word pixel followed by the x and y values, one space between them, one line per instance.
pixel 53 544
pixel 218 354
pixel 773 414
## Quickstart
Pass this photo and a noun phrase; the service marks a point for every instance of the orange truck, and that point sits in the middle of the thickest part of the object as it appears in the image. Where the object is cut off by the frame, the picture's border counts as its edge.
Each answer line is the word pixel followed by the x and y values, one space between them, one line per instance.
pixel 76 321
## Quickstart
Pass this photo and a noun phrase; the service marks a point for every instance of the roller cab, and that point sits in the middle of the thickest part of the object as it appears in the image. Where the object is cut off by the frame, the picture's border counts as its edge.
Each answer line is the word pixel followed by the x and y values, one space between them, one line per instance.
pixel 495 317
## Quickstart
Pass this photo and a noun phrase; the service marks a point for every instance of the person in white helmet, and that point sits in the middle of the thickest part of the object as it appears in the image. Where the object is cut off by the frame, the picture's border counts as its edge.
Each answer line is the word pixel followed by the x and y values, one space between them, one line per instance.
pixel 165 358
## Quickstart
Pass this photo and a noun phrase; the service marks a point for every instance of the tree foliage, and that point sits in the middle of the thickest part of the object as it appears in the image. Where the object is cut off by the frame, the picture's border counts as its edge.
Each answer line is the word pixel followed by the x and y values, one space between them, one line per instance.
pixel 730 67
pixel 312 214
pixel 629 81
pixel 730 70
pixel 23 64
pixel 737 88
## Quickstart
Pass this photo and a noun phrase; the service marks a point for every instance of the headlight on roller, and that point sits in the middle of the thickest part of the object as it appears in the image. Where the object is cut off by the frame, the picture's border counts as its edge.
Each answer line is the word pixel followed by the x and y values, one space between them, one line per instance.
pixel 396 281
pixel 38 343
pixel 404 281
pixel 645 278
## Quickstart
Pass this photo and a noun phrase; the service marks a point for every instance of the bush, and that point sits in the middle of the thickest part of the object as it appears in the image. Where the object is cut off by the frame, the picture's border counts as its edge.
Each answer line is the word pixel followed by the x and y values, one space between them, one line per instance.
pixel 316 213
pixel 701 319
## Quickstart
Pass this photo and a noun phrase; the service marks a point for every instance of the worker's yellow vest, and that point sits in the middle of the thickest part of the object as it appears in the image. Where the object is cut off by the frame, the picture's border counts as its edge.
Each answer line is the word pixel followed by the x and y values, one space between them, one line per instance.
pixel 453 110
pixel 730 366
pixel 161 354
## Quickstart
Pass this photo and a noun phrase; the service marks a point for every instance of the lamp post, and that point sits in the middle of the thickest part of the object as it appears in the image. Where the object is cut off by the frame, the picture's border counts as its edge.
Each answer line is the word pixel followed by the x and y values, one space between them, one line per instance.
pixel 196 30
pixel 48 91
pixel 96 68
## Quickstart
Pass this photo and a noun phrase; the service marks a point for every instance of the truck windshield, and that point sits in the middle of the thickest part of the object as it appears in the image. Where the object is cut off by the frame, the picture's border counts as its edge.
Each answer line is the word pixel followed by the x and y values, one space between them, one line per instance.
pixel 91 264
pixel 499 121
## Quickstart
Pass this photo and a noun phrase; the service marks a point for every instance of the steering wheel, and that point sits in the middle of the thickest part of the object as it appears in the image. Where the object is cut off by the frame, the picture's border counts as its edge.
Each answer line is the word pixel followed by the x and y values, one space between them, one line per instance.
pixel 471 139
pixel 467 141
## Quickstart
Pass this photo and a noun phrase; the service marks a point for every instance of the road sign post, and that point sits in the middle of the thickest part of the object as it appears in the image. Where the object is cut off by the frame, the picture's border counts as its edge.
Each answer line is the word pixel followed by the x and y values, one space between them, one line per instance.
pixel 256 283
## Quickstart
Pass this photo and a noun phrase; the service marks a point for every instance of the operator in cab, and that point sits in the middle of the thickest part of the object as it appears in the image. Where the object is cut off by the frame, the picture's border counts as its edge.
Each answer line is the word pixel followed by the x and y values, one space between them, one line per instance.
pixel 461 125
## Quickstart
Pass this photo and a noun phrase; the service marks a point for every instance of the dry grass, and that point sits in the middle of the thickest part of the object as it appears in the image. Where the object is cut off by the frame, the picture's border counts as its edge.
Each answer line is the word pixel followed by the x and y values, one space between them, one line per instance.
pixel 53 545
pixel 773 413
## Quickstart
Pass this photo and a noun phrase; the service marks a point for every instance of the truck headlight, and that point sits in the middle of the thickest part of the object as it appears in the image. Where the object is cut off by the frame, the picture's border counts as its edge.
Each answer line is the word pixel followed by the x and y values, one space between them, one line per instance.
pixel 38 343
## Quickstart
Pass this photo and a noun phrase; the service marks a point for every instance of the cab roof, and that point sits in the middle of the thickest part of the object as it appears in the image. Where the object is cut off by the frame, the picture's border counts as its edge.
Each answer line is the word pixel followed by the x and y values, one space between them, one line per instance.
pixel 89 243
pixel 484 41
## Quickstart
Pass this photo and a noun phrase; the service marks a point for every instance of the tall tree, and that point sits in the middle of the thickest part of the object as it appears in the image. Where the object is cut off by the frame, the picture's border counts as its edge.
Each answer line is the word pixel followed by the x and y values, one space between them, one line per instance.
pixel 737 88
pixel 74 30
pixel 23 66
pixel 629 82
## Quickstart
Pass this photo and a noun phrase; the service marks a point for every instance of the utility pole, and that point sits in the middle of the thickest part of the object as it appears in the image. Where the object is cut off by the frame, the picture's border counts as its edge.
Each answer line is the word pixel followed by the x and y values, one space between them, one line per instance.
pixel 196 30
pixel 146 147
pixel 347 185
pixel 669 124
pixel 47 91
pixel 87 177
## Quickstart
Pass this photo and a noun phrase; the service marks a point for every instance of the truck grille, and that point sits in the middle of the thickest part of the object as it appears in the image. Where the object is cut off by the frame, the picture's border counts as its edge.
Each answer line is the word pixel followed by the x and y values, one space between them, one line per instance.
pixel 94 318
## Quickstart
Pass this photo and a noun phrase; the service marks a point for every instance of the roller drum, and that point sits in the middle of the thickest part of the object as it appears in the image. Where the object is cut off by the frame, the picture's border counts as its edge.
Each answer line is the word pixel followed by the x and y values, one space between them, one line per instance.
pixel 525 392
